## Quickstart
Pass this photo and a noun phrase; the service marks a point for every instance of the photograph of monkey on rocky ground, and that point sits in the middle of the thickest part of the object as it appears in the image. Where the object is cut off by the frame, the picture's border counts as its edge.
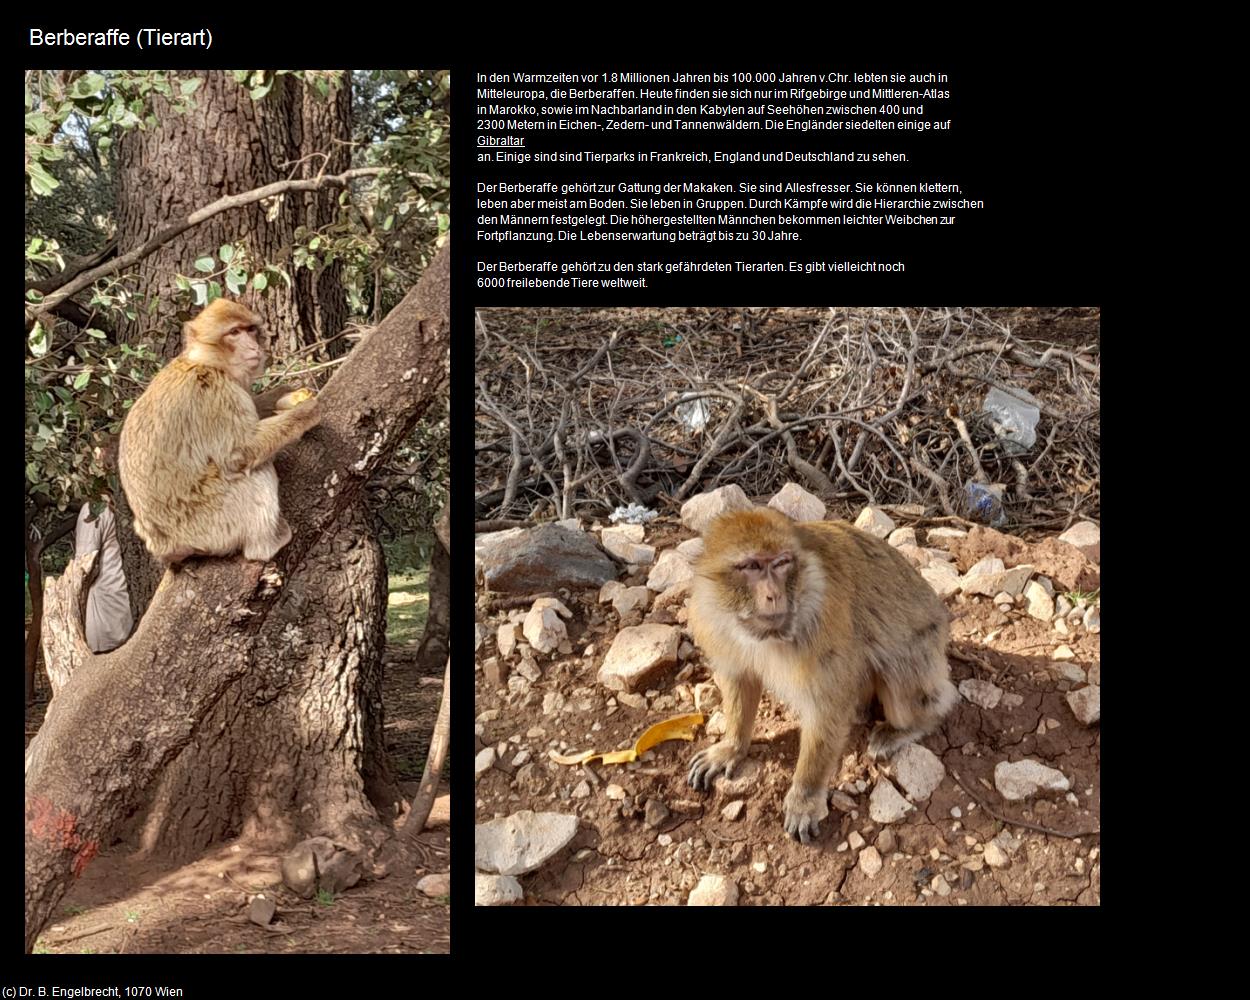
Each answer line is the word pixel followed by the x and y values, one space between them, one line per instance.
pixel 237 511
pixel 787 606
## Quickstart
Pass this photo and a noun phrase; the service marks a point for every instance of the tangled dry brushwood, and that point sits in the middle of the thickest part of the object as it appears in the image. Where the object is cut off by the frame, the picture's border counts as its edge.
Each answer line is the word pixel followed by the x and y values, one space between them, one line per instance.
pixel 579 411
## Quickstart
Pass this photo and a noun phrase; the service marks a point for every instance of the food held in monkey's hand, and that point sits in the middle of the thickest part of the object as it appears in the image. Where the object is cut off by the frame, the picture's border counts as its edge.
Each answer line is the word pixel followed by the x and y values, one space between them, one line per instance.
pixel 293 399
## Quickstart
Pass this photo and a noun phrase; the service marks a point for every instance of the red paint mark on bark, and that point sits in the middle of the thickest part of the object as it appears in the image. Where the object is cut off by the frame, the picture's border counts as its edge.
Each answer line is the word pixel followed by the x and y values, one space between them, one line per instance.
pixel 58 828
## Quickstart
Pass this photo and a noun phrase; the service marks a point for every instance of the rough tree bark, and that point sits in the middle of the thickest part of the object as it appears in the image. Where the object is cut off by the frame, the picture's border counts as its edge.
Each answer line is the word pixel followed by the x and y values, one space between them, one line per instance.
pixel 124 716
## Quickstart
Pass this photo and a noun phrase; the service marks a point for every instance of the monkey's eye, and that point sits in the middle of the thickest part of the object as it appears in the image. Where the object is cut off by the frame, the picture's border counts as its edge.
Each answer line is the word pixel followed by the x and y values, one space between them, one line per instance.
pixel 749 566
pixel 783 562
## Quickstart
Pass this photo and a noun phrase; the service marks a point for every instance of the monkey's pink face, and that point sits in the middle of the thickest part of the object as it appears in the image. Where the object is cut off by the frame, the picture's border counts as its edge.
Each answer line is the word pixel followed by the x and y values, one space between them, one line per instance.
pixel 764 582
pixel 247 357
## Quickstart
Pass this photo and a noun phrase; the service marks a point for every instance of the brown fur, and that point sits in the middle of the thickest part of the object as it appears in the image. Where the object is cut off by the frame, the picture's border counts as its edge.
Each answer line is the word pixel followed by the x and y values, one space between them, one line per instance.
pixel 195 457
pixel 860 620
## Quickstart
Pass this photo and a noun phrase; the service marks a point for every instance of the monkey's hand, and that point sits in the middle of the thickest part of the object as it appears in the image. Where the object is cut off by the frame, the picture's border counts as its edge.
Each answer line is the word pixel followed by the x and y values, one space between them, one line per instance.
pixel 293 399
pixel 721 758
pixel 804 811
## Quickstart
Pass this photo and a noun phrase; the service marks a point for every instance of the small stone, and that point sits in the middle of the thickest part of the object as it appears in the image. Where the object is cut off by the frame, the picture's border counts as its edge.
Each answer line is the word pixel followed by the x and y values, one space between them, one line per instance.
pixel 495 890
pixel 707 697
pixel 1004 598
pixel 1086 536
pixel 886 805
pixel 902 536
pixel 664 840
pixel 760 867
pixel 1041 605
pixel 609 591
pixel 632 700
pixel 918 770
pixel 505 638
pixel 875 522
pixel 716 724
pixel 942 577
pixel 582 791
pixel 886 841
pixel 521 842
pixel 940 885
pixel 699 511
pixel 657 813
pixel 714 890
pixel 733 811
pixel 869 861
pixel 855 840
pixel 1061 626
pixel 842 801
pixel 261 910
pixel 631 599
pixel 844 846
pixel 981 693
pixel 1012 700
pixel 994 856
pixel 956 812
pixel 638 655
pixel 1063 653
pixel 1092 620
pixel 484 761
pixel 435 885
pixel 1062 605
pixel 614 791
pixel 1024 778
pixel 553 702
pixel 1070 672
pixel 1086 704
pixel 1095 673
pixel 522 758
pixel 496 671
pixel 797 504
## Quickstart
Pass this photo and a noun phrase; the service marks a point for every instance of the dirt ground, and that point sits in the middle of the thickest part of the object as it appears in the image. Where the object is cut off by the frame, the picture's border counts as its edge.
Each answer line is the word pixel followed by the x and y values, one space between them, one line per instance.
pixel 627 853
pixel 124 904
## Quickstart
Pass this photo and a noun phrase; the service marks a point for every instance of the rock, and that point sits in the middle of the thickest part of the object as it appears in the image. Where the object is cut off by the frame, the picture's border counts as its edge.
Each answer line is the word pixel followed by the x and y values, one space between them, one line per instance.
pixel 638 656
pixel 902 536
pixel 942 577
pixel 505 638
pixel 1025 778
pixel 745 776
pixel 1085 704
pixel 261 910
pixel 1062 605
pixel 495 890
pixel 886 841
pixel 940 554
pixel 543 603
pixel 699 511
pixel 1092 620
pixel 614 792
pixel 869 861
pixel 483 762
pixel 841 800
pixel 1063 653
pixel 521 842
pixel 716 724
pixel 480 631
pixel 630 700
pixel 673 598
pixel 521 758
pixel 1041 605
pixel 1012 700
pixel 918 770
pixel 707 696
pixel 544 629
pixel 553 703
pixel 582 791
pixel 915 555
pixel 943 538
pixel 1070 672
pixel 940 885
pixel 435 885
pixel 669 572
pixel 664 840
pixel 619 541
pixel 886 805
pixel 988 566
pixel 529 669
pixel 874 521
pixel 609 591
pixel 981 693
pixel 657 813
pixel 300 870
pixel 1085 536
pixel 631 599
pixel 546 558
pixel 994 856
pixel 797 504
pixel 1094 674
pixel 1061 626
pixel 496 671
pixel 855 841
pixel 714 890
pixel 733 811
pixel 989 584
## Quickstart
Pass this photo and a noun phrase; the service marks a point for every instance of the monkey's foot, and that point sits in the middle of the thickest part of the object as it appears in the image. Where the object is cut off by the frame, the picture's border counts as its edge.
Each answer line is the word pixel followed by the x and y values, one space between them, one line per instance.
pixel 721 758
pixel 270 580
pixel 886 741
pixel 803 813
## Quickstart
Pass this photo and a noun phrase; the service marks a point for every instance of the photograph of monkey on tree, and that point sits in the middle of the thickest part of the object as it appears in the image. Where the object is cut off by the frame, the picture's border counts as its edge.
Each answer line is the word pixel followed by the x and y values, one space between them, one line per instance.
pixel 237 315
pixel 788 606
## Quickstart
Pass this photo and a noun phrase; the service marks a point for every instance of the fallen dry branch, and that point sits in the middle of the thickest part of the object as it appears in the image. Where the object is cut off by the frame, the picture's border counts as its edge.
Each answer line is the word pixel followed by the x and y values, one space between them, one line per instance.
pixel 579 411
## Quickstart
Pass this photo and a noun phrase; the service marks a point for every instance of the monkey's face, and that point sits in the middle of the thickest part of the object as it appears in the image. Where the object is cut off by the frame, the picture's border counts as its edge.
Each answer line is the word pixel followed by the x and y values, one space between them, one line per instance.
pixel 247 357
pixel 763 582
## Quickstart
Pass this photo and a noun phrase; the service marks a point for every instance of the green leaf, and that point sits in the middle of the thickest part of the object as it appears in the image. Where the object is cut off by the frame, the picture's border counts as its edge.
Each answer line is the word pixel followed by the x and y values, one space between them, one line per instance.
pixel 226 253
pixel 260 282
pixel 88 85
pixel 38 340
pixel 98 334
pixel 81 381
pixel 240 75
pixel 182 284
pixel 257 93
pixel 205 265
pixel 41 182
pixel 314 243
pixel 236 280
pixel 37 122
pixel 214 290
pixel 189 87
pixel 105 142
pixel 35 246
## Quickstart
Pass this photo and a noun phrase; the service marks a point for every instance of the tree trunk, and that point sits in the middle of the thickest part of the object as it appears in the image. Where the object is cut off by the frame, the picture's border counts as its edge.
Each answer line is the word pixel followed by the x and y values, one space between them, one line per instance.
pixel 434 642
pixel 217 633
pixel 423 801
